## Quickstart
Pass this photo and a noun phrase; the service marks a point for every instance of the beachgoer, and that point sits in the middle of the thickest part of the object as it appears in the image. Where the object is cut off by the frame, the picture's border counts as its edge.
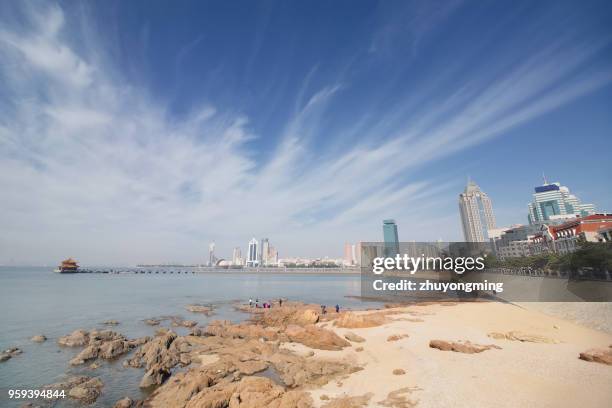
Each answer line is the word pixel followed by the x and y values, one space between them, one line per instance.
pixel 280 302
pixel 337 308
pixel 323 309
pixel 250 302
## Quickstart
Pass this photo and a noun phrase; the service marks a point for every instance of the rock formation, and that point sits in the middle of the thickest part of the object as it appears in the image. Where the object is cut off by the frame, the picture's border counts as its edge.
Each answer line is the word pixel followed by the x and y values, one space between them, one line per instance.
pixel 461 347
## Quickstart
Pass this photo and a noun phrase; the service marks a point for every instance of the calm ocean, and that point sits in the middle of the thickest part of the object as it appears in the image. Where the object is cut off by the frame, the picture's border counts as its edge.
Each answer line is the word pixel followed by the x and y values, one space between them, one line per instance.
pixel 38 301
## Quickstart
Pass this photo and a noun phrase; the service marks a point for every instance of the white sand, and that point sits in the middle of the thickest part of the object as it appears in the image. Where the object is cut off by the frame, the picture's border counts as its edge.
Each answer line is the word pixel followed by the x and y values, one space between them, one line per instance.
pixel 521 374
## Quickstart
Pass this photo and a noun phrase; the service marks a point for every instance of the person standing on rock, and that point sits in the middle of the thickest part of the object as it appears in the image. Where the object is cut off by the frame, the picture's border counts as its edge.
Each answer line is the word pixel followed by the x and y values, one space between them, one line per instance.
pixel 337 308
pixel 280 302
pixel 250 302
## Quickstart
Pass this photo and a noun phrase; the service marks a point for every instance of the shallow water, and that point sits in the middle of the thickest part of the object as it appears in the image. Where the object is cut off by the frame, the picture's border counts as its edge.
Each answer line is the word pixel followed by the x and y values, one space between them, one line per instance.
pixel 38 301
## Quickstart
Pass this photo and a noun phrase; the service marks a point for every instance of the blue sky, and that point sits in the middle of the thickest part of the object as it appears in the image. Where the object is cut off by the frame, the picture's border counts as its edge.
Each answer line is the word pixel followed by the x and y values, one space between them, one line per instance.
pixel 140 131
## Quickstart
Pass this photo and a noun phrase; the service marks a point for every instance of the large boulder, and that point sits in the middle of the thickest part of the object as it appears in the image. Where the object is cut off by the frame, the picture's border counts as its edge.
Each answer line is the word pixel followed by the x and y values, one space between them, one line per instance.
pixel 88 353
pixel 205 309
pixel 9 353
pixel 82 388
pixel 350 320
pixel 39 338
pixel 88 391
pixel 315 337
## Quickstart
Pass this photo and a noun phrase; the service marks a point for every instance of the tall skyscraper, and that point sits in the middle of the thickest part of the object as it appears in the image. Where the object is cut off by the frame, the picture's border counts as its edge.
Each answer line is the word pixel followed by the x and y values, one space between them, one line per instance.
pixel 264 251
pixel 272 256
pixel 554 201
pixel 476 213
pixel 211 254
pixel 253 253
pixel 391 238
pixel 348 254
pixel 237 256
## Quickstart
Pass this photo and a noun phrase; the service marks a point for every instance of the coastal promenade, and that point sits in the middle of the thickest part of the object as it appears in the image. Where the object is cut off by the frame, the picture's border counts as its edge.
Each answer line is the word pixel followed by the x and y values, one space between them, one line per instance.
pixel 186 270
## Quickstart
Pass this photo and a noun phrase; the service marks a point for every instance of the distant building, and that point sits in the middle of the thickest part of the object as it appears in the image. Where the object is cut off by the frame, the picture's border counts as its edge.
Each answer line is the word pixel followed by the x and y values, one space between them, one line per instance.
pixel 211 254
pixel 348 254
pixel 357 253
pixel 554 201
pixel 253 253
pixel 564 238
pixel 272 257
pixel 390 238
pixel 476 214
pixel 237 257
pixel 264 250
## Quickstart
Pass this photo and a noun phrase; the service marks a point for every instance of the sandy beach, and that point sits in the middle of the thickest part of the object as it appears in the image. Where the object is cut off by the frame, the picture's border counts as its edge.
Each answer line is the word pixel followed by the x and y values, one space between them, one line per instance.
pixel 521 373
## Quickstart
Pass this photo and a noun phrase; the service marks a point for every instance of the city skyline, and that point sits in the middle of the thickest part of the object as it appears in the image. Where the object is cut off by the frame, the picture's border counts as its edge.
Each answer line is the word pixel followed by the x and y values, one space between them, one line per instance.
pixel 133 133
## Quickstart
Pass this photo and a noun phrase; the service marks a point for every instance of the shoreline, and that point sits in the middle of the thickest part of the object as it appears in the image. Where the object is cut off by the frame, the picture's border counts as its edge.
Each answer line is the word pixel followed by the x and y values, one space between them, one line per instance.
pixel 397 356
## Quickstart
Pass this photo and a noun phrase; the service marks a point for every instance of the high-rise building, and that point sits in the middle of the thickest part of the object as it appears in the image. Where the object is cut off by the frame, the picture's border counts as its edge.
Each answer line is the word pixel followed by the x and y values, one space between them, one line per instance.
pixel 273 256
pixel 211 254
pixel 554 201
pixel 264 251
pixel 253 253
pixel 237 256
pixel 357 253
pixel 476 213
pixel 391 238
pixel 348 254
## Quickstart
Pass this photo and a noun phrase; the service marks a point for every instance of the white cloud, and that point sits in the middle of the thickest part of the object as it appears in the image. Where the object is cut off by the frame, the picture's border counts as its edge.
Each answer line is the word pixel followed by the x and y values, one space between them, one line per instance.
pixel 92 167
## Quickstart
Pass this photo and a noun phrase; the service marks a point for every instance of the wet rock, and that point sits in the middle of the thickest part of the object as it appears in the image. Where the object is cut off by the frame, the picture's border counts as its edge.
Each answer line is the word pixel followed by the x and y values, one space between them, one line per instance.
pixel 88 391
pixel 114 348
pixel 197 331
pixel 461 347
pixel 138 341
pixel 188 323
pixel 603 356
pixel 195 308
pixel 359 349
pixel 39 338
pixel 82 388
pixel 88 353
pixel 158 356
pixel 399 371
pixel 124 403
pixel 156 375
pixel 353 337
pixel 77 338
pixel 152 322
pixel 524 337
pixel 10 353
pixel 111 322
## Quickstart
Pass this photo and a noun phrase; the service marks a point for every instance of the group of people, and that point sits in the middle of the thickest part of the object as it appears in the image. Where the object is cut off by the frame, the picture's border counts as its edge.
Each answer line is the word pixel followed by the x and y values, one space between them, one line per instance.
pixel 265 305
pixel 324 309
pixel 268 305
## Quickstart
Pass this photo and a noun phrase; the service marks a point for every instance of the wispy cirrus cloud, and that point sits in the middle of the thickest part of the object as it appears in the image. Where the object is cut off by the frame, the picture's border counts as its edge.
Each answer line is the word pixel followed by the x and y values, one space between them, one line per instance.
pixel 92 166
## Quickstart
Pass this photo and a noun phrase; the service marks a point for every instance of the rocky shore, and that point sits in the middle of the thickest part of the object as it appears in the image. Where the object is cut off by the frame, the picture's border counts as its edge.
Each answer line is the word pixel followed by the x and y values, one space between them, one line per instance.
pixel 295 357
